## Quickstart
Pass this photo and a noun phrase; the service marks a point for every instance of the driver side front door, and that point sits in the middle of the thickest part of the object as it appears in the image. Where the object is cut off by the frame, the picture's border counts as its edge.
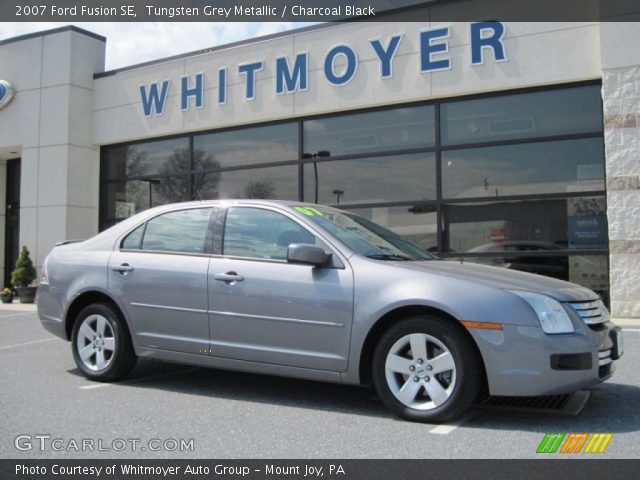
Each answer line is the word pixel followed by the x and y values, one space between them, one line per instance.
pixel 263 309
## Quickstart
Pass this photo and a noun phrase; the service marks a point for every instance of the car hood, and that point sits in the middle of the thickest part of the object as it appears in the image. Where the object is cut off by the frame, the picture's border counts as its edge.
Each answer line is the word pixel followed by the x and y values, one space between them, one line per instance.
pixel 502 278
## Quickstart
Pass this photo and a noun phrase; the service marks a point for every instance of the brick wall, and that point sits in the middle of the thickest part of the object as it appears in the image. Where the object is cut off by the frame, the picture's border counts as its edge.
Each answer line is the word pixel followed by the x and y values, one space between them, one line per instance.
pixel 621 102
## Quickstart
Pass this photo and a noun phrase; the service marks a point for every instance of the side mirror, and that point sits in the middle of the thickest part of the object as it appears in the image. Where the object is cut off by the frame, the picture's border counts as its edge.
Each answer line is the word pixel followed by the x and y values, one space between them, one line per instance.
pixel 307 254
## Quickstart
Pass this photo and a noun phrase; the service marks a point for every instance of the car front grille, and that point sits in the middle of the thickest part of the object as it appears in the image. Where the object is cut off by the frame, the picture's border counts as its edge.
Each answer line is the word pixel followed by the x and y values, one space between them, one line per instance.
pixel 592 313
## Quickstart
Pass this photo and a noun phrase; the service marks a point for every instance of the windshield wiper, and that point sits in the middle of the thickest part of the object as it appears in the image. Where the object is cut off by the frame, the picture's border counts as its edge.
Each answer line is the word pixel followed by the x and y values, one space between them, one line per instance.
pixel 388 256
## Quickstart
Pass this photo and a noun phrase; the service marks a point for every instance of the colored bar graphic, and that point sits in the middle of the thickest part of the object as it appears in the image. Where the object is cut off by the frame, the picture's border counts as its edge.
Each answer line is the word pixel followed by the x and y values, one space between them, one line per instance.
pixel 550 443
pixel 598 443
pixel 573 442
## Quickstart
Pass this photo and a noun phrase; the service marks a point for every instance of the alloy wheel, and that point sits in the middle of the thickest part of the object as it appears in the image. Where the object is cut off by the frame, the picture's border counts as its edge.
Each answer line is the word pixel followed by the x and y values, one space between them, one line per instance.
pixel 96 343
pixel 420 371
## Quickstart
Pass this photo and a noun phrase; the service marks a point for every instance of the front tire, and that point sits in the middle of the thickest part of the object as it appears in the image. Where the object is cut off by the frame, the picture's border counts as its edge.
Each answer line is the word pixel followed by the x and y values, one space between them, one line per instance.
pixel 425 369
pixel 101 344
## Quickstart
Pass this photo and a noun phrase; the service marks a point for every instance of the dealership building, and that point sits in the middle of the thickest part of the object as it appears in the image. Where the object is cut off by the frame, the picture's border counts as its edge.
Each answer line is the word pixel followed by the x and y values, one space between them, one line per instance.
pixel 505 143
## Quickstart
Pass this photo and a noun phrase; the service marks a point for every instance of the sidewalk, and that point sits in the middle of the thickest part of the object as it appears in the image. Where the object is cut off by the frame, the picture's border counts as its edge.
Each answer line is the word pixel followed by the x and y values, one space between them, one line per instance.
pixel 627 322
pixel 16 306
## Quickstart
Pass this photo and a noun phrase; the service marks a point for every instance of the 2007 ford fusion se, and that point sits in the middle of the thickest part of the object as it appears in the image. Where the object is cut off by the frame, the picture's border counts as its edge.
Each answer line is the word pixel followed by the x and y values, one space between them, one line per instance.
pixel 314 292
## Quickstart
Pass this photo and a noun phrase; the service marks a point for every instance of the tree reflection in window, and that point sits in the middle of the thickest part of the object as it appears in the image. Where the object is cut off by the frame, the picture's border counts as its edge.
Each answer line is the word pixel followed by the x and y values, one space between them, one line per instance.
pixel 202 184
pixel 260 189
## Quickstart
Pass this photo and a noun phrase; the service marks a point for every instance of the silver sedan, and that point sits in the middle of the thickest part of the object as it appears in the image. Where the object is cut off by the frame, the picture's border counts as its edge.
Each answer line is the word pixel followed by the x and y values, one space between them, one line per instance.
pixel 313 292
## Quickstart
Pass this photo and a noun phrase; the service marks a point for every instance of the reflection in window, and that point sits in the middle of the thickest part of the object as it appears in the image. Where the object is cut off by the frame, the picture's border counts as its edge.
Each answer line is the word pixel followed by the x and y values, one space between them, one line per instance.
pixel 590 271
pixel 273 143
pixel 369 180
pixel 258 233
pixel 528 169
pixel 134 239
pixel 160 157
pixel 524 115
pixel 124 199
pixel 363 236
pixel 279 183
pixel 416 223
pixel 181 231
pixel 533 225
pixel 168 171
pixel 552 266
pixel 401 128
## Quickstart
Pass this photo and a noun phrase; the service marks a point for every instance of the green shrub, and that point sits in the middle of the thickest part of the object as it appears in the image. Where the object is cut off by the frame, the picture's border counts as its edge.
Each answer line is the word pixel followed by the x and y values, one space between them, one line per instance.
pixel 24 273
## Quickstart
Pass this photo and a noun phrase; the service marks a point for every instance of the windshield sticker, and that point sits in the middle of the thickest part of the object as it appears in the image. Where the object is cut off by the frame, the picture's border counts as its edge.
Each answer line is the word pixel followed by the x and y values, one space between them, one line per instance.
pixel 308 211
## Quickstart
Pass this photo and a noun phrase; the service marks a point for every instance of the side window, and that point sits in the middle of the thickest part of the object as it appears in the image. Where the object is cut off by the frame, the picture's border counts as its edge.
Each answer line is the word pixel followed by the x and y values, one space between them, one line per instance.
pixel 181 231
pixel 258 233
pixel 132 241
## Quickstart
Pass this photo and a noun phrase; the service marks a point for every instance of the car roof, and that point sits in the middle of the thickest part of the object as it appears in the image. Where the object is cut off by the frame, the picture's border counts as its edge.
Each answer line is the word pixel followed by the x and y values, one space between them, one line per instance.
pixel 108 236
pixel 237 201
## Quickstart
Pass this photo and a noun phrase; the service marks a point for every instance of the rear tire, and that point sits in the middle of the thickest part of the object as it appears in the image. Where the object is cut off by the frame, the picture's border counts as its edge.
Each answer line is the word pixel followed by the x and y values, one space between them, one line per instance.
pixel 101 345
pixel 425 369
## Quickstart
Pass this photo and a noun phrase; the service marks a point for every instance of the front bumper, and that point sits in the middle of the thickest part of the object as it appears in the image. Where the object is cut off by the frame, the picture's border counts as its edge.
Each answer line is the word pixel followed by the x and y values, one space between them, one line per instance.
pixel 525 361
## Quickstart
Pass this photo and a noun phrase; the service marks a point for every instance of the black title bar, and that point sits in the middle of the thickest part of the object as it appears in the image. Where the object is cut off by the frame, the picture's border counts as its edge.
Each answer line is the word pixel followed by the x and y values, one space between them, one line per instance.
pixel 316 10
pixel 317 469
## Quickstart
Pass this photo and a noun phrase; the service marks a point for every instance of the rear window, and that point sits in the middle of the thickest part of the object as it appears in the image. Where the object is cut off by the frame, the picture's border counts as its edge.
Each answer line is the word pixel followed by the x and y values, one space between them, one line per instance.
pixel 183 231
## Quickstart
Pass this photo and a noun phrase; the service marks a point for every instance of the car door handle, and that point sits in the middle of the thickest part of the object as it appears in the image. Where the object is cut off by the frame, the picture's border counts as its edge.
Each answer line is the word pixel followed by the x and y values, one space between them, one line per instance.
pixel 124 268
pixel 230 277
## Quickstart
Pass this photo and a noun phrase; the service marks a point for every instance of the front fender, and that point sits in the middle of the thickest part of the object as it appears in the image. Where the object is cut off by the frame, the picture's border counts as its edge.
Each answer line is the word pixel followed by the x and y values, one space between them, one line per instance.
pixel 381 288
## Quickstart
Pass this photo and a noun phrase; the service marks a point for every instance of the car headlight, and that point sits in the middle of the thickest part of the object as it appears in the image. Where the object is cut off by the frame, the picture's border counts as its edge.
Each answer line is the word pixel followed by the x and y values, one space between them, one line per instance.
pixel 552 315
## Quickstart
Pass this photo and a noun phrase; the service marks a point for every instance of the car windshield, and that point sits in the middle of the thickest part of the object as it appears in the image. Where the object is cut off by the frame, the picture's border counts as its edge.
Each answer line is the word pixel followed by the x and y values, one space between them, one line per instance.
pixel 364 236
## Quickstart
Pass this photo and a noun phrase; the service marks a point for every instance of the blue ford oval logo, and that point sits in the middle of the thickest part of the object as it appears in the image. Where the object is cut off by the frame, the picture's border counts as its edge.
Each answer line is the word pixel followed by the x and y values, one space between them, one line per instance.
pixel 6 93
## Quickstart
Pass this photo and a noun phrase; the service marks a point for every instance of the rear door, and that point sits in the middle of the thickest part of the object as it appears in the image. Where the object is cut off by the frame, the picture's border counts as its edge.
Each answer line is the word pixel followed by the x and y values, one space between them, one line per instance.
pixel 160 273
pixel 264 309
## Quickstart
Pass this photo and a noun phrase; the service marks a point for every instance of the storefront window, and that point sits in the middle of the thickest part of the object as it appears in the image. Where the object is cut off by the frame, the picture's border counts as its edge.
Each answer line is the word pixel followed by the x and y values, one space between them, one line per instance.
pixel 163 157
pixel 551 225
pixel 520 185
pixel 380 131
pixel 122 199
pixel 272 143
pixel 371 180
pixel 417 223
pixel 275 183
pixel 527 169
pixel 525 115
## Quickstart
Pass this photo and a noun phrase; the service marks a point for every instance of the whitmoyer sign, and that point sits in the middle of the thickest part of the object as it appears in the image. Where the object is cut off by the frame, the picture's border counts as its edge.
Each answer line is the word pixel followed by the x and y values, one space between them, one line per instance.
pixel 340 66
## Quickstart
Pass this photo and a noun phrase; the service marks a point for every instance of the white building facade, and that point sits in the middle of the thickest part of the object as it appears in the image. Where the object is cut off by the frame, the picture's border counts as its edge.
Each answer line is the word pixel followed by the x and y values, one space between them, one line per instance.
pixel 512 144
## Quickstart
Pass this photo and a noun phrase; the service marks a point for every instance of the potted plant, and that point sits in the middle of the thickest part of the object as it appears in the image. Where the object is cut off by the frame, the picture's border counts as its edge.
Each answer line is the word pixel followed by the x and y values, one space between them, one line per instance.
pixel 6 295
pixel 23 275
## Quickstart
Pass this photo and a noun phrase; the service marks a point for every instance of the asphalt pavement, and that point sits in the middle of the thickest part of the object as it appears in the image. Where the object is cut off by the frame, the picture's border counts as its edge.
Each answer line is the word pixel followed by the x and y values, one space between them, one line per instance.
pixel 174 411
